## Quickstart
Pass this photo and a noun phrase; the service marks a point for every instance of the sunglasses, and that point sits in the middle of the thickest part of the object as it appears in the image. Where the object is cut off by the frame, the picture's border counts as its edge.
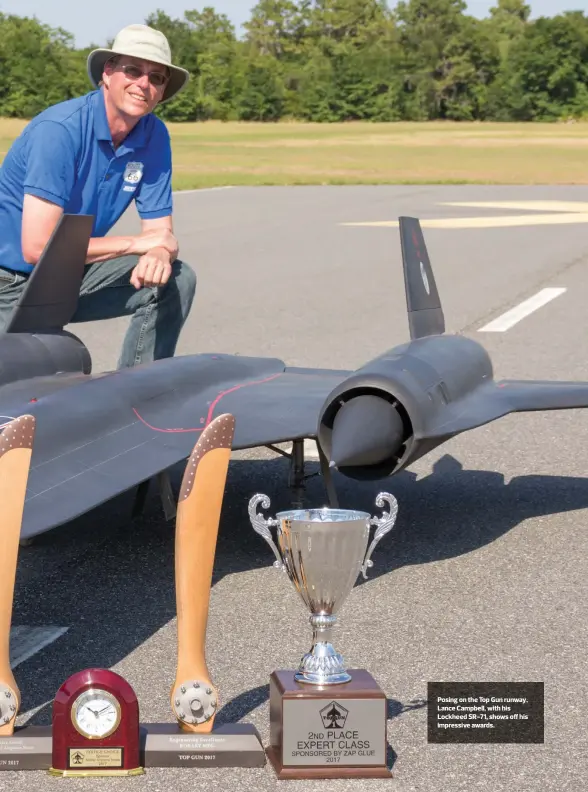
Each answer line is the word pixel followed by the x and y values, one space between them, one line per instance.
pixel 135 73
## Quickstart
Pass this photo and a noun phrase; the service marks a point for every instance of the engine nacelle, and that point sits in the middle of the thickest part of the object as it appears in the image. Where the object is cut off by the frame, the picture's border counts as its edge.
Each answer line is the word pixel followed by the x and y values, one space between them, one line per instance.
pixel 24 356
pixel 379 419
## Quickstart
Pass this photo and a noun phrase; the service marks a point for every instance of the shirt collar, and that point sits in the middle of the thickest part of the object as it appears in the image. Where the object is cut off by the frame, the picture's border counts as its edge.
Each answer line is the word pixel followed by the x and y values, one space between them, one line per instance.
pixel 134 140
pixel 101 128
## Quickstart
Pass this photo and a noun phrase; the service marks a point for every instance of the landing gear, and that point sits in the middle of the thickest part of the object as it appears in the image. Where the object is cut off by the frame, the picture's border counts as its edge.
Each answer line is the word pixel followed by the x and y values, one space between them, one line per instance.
pixel 166 493
pixel 297 477
pixel 296 481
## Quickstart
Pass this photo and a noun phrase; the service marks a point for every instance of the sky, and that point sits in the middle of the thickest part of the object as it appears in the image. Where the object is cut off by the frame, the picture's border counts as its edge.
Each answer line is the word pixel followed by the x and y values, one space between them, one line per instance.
pixel 96 23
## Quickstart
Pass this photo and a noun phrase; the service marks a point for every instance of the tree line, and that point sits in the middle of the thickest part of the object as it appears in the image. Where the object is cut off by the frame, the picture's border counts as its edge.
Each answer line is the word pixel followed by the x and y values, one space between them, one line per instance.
pixel 334 60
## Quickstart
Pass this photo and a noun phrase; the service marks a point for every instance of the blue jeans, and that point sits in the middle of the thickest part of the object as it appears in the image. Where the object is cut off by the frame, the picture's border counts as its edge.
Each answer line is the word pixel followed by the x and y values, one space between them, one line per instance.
pixel 157 314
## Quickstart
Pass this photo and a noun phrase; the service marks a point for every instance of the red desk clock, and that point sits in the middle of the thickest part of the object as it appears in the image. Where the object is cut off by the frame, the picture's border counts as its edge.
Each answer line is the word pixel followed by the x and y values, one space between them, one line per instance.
pixel 95 726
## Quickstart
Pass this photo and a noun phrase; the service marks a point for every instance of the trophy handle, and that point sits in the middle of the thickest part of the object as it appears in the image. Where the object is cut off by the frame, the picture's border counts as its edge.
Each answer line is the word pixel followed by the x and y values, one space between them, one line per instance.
pixel 383 523
pixel 262 525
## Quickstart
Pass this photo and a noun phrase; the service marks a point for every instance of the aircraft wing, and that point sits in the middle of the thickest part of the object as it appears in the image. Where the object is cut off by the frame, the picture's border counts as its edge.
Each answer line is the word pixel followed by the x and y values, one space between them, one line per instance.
pixel 530 395
pixel 497 399
pixel 98 436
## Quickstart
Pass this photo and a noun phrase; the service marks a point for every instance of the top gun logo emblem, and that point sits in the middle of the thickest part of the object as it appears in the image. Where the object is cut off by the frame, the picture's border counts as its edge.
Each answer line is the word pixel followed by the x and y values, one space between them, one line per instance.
pixel 334 716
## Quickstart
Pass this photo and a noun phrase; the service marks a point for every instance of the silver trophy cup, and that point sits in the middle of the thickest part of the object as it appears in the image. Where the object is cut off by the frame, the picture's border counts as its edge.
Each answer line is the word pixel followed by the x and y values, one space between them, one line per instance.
pixel 323 551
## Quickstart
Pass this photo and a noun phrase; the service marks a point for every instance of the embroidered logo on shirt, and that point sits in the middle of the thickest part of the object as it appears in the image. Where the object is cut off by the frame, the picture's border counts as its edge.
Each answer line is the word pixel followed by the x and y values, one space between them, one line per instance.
pixel 132 176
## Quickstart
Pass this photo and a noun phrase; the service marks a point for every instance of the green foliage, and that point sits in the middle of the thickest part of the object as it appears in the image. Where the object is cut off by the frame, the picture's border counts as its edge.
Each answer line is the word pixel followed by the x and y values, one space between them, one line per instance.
pixel 261 96
pixel 334 60
pixel 38 66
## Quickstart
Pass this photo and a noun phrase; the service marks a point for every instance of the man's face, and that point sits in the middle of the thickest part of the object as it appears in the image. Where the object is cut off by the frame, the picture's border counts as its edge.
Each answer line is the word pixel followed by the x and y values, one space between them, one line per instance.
pixel 130 84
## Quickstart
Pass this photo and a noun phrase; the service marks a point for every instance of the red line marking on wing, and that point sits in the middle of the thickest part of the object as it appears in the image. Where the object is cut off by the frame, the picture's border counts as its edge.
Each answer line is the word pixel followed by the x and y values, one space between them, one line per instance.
pixel 221 395
pixel 157 428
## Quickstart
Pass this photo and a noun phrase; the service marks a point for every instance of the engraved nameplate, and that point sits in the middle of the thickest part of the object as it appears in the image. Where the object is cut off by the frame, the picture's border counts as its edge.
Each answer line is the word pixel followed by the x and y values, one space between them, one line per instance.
pixel 349 732
pixel 80 758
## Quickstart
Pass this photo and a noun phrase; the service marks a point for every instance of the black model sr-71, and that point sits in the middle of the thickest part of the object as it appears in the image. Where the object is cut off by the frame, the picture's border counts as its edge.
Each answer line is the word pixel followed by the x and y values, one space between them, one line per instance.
pixel 98 435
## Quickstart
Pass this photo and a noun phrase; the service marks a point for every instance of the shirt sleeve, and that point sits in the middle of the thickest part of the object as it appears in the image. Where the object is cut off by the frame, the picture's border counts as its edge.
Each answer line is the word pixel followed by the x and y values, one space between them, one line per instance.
pixel 50 163
pixel 154 198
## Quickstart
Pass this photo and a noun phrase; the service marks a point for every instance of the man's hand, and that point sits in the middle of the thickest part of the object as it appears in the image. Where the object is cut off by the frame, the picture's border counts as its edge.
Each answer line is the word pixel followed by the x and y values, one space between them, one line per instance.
pixel 154 238
pixel 153 269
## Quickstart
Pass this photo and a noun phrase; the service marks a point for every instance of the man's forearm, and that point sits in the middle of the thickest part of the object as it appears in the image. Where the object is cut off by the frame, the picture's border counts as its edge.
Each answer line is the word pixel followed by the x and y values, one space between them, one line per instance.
pixel 108 247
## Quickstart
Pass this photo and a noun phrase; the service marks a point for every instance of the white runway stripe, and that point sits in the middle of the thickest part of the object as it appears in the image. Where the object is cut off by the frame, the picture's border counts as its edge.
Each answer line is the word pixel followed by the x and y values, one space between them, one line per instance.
pixel 27 641
pixel 510 318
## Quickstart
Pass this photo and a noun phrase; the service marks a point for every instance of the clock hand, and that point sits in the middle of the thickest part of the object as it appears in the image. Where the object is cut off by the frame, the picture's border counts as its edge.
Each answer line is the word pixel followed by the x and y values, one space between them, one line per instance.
pixel 108 706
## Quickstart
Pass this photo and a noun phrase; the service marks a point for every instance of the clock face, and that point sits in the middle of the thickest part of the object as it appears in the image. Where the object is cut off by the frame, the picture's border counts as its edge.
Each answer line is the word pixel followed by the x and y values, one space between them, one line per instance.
pixel 95 713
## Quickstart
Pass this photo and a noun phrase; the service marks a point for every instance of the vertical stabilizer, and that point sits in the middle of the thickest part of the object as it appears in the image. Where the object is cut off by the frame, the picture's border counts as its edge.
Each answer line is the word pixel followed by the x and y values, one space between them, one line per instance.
pixel 50 297
pixel 425 315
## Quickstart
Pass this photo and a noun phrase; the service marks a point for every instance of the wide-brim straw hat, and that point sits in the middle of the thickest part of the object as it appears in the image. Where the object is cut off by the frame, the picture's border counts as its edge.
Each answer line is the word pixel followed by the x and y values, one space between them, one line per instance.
pixel 140 41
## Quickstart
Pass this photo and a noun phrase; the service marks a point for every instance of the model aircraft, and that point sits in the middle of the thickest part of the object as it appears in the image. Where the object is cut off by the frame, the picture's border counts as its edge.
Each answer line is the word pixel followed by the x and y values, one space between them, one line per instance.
pixel 98 435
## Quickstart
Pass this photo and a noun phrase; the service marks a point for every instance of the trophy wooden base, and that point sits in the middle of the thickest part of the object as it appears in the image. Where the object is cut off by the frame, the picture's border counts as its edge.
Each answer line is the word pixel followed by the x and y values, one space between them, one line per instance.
pixel 230 745
pixel 28 748
pixel 328 731
pixel 95 773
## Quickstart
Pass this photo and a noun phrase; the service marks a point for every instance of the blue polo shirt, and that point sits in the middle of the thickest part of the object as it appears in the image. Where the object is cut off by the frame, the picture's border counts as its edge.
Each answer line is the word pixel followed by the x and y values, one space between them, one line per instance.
pixel 65 155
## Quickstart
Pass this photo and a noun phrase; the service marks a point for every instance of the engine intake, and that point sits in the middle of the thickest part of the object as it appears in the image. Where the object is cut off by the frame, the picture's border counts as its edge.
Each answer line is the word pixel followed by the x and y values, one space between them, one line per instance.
pixel 364 432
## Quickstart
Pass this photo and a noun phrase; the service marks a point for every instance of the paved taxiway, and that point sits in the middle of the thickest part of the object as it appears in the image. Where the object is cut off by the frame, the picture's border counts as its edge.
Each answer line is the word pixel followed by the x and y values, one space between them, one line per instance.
pixel 483 577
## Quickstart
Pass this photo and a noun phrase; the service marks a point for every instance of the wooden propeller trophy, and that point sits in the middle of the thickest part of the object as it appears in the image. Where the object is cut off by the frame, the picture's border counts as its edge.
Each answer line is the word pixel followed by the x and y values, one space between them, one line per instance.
pixel 192 741
pixel 16 444
pixel 29 747
pixel 193 696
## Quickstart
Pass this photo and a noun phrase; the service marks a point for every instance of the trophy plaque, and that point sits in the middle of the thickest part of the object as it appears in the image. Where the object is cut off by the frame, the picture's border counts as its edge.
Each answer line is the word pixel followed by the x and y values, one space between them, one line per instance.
pixel 325 721
pixel 95 726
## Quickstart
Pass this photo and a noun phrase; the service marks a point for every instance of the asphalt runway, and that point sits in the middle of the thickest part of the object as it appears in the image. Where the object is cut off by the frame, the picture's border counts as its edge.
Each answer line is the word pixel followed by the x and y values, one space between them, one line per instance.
pixel 483 578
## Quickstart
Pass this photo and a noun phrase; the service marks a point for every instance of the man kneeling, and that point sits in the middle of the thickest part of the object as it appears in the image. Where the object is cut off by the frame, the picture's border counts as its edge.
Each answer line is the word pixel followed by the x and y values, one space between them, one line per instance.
pixel 94 155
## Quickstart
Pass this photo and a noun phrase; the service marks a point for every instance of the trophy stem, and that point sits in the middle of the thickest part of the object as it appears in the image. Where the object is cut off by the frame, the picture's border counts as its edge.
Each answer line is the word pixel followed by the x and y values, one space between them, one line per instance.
pixel 322 665
pixel 322 629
